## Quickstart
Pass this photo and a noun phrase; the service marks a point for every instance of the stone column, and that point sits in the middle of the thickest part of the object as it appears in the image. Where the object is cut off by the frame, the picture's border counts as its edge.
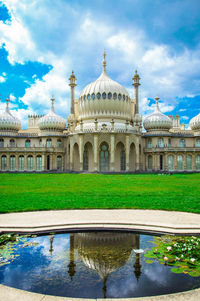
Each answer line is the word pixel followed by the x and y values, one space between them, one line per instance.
pixel 16 162
pixel 112 152
pixel 81 151
pixel 127 152
pixel 137 151
pixel 25 162
pixel 95 152
pixel 34 162
pixel 43 162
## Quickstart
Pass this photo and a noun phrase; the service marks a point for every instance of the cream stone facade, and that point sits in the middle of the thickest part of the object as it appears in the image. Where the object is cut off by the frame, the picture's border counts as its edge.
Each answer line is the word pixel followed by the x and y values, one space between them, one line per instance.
pixel 104 134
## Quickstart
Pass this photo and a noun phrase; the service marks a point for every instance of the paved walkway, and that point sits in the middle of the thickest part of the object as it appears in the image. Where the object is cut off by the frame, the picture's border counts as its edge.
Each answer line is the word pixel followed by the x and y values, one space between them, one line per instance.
pixel 143 220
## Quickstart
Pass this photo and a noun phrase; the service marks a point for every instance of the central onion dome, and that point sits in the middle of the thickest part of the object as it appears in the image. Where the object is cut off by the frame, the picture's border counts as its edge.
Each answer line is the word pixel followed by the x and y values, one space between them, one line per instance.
pixel 52 121
pixel 9 122
pixel 104 98
pixel 195 123
pixel 157 121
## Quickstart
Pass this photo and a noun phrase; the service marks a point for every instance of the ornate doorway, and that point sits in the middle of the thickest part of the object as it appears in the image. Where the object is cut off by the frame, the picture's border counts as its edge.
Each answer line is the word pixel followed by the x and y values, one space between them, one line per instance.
pixel 104 158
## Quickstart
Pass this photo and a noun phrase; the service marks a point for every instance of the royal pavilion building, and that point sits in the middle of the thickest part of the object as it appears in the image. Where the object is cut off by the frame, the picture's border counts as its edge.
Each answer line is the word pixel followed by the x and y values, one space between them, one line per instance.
pixel 105 133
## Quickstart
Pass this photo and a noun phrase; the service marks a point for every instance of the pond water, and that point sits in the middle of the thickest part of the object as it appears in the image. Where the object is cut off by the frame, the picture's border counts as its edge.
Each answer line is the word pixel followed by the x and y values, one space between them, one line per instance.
pixel 98 265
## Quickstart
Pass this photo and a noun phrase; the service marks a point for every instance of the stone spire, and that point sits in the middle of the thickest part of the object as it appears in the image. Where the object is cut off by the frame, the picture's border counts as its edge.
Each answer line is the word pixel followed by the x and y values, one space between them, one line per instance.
pixel 157 103
pixel 72 84
pixel 136 84
pixel 52 103
pixel 104 62
pixel 7 104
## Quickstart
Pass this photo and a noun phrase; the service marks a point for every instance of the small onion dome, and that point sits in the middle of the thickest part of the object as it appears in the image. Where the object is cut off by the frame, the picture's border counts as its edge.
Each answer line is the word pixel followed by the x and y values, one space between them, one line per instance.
pixel 195 122
pixel 52 121
pixel 157 120
pixel 9 122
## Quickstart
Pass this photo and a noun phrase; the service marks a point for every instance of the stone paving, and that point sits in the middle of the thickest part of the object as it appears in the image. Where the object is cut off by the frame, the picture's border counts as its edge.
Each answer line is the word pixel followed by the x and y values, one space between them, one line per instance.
pixel 143 220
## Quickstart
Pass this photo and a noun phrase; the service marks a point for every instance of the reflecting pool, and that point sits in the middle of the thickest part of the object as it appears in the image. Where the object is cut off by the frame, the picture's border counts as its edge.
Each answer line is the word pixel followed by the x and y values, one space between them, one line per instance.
pixel 100 264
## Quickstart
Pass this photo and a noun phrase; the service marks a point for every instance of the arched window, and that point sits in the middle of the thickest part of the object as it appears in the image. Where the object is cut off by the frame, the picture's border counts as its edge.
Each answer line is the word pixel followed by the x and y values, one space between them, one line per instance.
pixel 28 143
pixel 59 143
pixel 198 162
pixel 119 96
pixel 104 95
pixel 30 162
pixel 189 162
pixel 124 97
pixel 3 163
pixel 109 95
pixel 93 96
pixel 59 163
pixel 114 95
pixel 85 158
pixel 40 143
pixel 180 162
pixel 198 143
pixel 123 159
pixel 1 143
pixel 150 162
pixel 12 163
pixel 21 163
pixel 149 143
pixel 170 162
pixel 160 142
pixel 104 158
pixel 49 142
pixel 39 163
pixel 12 143
pixel 169 142
pixel 84 97
pixel 98 95
pixel 182 143
pixel 88 96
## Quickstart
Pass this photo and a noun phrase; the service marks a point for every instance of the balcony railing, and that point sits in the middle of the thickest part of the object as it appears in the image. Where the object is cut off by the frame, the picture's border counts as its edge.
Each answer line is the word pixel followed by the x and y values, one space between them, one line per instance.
pixel 172 149
pixel 32 149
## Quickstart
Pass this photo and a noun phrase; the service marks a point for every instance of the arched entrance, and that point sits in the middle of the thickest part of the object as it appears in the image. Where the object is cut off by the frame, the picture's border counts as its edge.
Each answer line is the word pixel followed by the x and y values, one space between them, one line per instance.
pixel 104 157
pixel 88 156
pixel 76 158
pixel 132 156
pixel 120 157
pixel 48 162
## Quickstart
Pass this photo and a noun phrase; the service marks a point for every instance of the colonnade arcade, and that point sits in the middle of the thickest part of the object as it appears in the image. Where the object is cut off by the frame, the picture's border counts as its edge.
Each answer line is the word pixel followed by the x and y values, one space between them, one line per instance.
pixel 173 162
pixel 104 153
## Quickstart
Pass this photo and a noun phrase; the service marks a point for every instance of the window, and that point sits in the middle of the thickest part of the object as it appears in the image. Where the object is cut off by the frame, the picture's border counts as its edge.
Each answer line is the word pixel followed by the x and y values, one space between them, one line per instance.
pixel 169 142
pixel 149 143
pixel 104 158
pixel 119 96
pixel 180 162
pixel 198 162
pixel 59 163
pixel 104 95
pixel 1 143
pixel 28 143
pixel 30 162
pixel 182 143
pixel 98 95
pixel 189 162
pixel 149 162
pixel 160 142
pixel 88 97
pixel 49 142
pixel 40 143
pixel 39 163
pixel 109 95
pixel 124 97
pixel 12 163
pixel 59 143
pixel 198 142
pixel 170 162
pixel 93 96
pixel 123 159
pixel 21 163
pixel 84 97
pixel 85 158
pixel 115 96
pixel 12 143
pixel 3 163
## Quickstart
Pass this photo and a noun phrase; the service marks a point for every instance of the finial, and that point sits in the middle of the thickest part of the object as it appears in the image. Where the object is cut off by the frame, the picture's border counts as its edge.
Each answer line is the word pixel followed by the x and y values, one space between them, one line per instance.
pixel 157 99
pixel 7 106
pixel 52 103
pixel 104 61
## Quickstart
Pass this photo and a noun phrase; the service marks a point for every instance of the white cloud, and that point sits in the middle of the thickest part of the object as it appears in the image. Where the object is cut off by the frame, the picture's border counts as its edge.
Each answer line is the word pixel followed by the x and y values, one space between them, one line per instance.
pixel 2 79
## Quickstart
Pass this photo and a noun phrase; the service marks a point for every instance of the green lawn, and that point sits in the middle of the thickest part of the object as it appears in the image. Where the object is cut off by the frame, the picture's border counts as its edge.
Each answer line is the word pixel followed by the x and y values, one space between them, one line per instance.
pixel 26 192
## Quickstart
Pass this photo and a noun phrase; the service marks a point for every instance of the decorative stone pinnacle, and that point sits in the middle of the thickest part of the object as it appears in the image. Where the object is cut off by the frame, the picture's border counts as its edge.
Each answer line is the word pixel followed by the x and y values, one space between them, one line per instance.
pixel 52 103
pixel 7 105
pixel 157 104
pixel 104 61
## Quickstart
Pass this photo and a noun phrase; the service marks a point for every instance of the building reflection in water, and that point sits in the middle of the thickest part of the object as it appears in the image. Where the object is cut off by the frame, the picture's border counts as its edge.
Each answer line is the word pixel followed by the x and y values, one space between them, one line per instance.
pixel 103 252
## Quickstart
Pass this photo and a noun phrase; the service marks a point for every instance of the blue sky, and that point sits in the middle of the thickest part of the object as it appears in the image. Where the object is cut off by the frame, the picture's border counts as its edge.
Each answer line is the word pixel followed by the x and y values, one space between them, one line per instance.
pixel 42 41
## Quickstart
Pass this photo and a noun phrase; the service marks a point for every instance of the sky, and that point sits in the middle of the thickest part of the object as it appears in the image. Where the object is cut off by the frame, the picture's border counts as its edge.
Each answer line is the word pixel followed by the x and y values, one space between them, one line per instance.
pixel 42 41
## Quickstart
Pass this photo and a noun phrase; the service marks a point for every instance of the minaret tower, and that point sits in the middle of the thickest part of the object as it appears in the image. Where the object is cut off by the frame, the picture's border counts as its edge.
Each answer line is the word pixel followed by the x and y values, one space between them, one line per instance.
pixel 136 84
pixel 72 84
pixel 7 104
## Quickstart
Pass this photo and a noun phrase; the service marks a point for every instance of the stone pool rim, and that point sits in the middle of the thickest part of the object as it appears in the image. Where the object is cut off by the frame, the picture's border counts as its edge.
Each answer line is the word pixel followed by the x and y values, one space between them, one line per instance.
pixel 169 222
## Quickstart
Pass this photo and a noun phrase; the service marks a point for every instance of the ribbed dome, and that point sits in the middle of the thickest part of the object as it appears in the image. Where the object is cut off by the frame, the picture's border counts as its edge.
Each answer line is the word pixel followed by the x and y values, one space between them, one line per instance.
pixel 157 120
pixel 104 98
pixel 52 121
pixel 195 122
pixel 9 122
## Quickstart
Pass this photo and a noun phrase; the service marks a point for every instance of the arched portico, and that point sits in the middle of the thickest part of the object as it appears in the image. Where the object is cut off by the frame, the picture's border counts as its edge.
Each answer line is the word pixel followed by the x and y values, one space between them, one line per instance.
pixel 120 164
pixel 132 157
pixel 104 157
pixel 88 157
pixel 76 157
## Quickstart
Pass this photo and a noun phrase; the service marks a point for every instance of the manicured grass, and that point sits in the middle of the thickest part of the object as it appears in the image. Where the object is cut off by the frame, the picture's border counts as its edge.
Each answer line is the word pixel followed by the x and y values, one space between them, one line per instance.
pixel 27 192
